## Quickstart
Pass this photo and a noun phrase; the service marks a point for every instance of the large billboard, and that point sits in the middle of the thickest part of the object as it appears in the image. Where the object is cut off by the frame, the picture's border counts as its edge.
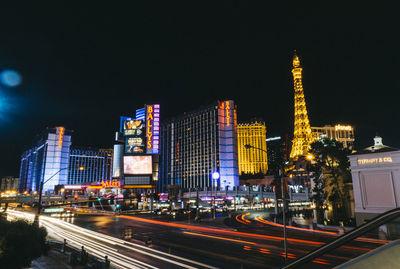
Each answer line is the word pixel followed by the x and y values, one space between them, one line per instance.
pixel 152 129
pixel 122 121
pixel 138 165
pixel 134 136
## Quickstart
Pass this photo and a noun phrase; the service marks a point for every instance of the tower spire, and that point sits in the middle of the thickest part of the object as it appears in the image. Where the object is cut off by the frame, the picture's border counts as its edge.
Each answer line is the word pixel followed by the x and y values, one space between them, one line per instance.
pixel 302 137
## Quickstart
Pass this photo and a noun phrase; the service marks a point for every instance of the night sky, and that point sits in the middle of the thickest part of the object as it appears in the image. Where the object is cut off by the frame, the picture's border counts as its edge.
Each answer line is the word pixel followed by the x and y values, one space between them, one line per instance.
pixel 84 65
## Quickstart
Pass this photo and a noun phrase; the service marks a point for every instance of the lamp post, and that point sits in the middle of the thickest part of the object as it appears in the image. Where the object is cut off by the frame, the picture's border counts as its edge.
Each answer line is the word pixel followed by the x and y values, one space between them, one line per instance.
pixel 41 189
pixel 215 177
pixel 247 146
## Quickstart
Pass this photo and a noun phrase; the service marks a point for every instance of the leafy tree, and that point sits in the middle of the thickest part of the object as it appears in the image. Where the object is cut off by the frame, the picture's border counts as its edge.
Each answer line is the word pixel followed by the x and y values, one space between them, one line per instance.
pixel 20 243
pixel 319 196
pixel 331 171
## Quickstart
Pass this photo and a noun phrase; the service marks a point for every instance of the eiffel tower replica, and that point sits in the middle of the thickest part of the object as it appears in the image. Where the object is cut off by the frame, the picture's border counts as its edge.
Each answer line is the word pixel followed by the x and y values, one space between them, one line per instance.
pixel 302 137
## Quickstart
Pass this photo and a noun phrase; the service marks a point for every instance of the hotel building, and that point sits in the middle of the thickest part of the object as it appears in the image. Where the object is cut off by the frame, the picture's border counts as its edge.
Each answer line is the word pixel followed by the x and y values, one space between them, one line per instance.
pixel 199 148
pixel 340 133
pixel 47 160
pixel 9 183
pixel 89 165
pixel 252 160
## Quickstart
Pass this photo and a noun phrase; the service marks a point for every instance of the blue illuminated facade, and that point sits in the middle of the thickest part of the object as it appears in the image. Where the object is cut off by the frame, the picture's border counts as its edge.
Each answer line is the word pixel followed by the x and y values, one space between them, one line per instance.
pixel 87 165
pixel 47 160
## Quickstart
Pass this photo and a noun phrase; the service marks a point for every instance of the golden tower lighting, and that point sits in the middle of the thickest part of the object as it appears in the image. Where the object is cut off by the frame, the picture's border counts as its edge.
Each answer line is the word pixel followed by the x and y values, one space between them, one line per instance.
pixel 302 137
pixel 254 158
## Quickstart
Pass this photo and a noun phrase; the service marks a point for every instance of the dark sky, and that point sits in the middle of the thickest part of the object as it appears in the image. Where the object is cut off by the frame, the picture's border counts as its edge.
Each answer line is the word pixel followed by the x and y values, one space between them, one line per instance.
pixel 85 65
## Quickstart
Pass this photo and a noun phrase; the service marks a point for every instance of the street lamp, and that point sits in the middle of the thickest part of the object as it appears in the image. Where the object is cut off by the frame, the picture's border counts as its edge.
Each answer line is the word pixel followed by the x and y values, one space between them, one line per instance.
pixel 215 177
pixel 41 188
pixel 247 146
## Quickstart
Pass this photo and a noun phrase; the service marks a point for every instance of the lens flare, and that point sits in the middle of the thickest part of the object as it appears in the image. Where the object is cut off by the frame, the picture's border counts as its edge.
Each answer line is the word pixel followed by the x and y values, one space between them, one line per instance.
pixel 10 78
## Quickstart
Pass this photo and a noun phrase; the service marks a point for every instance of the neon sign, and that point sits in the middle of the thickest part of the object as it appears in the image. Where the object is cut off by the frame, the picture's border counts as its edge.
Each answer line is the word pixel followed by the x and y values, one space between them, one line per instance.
pixel 60 136
pixel 227 112
pixel 375 160
pixel 111 184
pixel 149 132
pixel 343 127
pixel 152 128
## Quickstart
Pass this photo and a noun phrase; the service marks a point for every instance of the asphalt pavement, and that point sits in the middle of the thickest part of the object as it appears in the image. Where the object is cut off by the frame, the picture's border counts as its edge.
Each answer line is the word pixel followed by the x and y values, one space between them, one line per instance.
pixel 249 240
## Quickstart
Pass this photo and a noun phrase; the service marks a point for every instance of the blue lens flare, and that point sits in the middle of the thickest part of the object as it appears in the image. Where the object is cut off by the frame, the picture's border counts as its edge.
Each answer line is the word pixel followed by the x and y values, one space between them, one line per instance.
pixel 10 78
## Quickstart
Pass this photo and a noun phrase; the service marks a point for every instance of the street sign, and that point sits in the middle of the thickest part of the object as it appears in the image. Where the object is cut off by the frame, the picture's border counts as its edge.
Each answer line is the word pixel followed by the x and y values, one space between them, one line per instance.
pixel 54 210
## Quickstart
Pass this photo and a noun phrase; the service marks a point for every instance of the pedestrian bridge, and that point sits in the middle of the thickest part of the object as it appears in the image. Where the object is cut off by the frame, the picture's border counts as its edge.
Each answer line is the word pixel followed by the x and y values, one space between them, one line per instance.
pixel 46 199
pixel 248 192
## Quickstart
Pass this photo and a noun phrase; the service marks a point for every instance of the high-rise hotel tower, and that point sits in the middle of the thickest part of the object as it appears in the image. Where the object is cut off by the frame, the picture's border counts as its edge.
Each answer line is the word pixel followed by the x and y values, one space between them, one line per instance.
pixel 252 159
pixel 302 137
pixel 199 148
pixel 46 160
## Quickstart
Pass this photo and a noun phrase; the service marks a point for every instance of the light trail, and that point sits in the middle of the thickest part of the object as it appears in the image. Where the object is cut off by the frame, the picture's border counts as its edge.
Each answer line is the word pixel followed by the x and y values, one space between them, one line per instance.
pixel 221 238
pixel 116 241
pixel 321 261
pixel 101 250
pixel 242 219
pixel 260 219
pixel 221 231
pixel 362 239
pixel 82 237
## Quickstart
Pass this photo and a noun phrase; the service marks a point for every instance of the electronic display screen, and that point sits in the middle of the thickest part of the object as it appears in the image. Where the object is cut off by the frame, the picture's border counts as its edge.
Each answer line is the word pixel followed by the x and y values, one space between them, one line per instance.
pixel 138 165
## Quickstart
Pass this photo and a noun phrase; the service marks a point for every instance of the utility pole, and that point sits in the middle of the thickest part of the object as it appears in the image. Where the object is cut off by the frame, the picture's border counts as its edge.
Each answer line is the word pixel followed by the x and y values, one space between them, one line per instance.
pixel 41 189
pixel 284 217
pixel 197 202
pixel 151 200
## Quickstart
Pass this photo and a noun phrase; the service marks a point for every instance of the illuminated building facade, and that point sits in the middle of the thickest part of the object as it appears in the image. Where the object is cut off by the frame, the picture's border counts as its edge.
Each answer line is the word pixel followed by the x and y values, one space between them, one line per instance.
pixel 9 183
pixel 198 144
pixel 340 133
pixel 136 149
pixel 252 160
pixel 302 137
pixel 89 165
pixel 47 160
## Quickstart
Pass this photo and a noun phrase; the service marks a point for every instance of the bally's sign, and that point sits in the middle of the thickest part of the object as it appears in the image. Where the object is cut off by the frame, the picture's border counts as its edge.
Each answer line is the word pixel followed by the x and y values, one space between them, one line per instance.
pixel 152 128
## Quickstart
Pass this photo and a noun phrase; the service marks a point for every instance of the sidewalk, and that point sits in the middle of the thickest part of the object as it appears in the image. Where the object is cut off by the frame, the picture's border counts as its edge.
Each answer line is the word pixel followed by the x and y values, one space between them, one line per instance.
pixel 55 260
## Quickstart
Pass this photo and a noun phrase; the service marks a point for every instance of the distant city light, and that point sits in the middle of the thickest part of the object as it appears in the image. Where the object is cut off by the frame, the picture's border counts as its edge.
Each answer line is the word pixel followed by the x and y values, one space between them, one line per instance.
pixel 273 138
pixel 10 78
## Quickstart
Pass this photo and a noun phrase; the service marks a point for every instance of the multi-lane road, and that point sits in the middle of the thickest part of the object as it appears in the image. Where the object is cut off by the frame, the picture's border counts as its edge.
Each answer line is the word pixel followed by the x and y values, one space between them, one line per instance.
pixel 146 242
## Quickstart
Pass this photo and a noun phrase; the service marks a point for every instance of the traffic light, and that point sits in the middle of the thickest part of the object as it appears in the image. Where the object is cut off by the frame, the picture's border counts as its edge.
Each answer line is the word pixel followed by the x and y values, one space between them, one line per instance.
pixel 117 206
pixel 256 197
pixel 76 196
pixel 237 198
pixel 99 199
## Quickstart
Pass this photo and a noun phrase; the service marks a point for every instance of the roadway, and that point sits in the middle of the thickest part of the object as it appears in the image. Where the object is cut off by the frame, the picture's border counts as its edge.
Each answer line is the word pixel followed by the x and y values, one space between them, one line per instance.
pixel 254 242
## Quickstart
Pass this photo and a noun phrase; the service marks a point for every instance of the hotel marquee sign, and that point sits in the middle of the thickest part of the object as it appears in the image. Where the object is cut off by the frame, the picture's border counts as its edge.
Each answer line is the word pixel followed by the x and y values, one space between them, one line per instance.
pixel 343 127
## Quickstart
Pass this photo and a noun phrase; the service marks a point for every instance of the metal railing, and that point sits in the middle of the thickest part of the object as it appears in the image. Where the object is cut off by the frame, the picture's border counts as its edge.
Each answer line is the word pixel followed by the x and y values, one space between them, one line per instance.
pixel 347 237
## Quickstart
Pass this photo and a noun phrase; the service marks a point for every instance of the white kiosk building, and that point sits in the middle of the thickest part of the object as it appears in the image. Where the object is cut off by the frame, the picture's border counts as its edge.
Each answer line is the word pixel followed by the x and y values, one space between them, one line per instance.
pixel 375 173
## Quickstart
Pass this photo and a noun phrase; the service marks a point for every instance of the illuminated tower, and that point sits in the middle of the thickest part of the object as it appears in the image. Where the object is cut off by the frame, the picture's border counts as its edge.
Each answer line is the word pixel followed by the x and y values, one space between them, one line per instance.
pixel 302 137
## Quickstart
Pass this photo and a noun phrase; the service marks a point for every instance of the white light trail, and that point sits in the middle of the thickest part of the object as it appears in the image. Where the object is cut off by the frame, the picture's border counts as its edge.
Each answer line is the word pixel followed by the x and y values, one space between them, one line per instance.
pixel 78 236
